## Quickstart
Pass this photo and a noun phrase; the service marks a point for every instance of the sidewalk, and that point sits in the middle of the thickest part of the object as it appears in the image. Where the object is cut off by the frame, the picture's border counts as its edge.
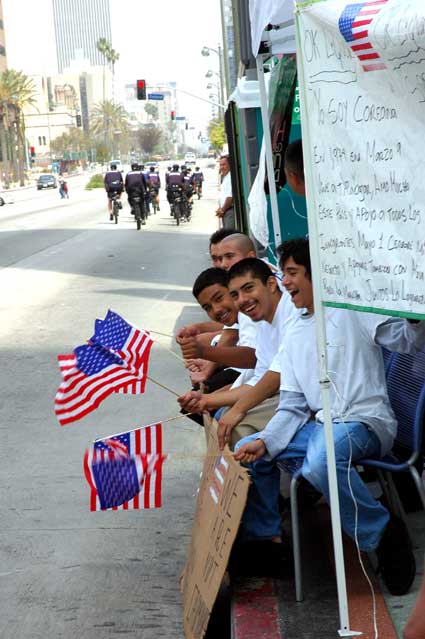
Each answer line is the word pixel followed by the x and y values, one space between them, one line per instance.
pixel 267 608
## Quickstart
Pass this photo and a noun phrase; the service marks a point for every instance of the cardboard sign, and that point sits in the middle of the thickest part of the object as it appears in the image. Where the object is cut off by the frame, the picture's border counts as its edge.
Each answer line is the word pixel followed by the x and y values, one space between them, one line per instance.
pixel 221 501
pixel 362 105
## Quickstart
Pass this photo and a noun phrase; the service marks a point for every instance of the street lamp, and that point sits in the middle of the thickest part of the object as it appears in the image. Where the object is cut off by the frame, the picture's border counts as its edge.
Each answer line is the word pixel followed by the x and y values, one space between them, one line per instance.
pixel 206 52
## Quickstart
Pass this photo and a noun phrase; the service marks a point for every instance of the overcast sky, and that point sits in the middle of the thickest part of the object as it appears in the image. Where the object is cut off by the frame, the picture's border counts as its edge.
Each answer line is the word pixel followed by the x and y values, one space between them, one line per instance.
pixel 158 40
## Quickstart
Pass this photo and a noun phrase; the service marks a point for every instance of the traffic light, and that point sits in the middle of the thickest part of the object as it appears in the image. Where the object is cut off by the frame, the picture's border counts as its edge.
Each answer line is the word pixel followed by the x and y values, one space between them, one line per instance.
pixel 141 90
pixel 78 119
pixel 173 115
pixel 32 154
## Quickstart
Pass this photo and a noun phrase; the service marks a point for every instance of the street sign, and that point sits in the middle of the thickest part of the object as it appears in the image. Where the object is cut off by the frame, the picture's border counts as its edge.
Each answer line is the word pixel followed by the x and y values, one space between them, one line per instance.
pixel 155 96
pixel 180 117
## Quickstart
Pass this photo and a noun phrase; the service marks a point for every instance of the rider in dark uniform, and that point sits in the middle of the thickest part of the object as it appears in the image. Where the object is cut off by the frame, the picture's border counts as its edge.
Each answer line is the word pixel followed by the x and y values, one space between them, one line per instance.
pixel 135 186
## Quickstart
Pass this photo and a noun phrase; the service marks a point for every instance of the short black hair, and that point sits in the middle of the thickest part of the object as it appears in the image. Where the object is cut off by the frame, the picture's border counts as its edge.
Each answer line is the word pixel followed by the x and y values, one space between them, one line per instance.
pixel 298 249
pixel 209 277
pixel 253 265
pixel 219 235
pixel 294 158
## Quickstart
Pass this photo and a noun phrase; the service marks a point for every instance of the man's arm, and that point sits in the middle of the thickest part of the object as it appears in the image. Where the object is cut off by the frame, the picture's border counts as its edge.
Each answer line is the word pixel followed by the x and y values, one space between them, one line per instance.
pixel 400 335
pixel 265 388
pixel 228 203
pixel 197 328
pixel 200 402
pixel 291 414
pixel 238 356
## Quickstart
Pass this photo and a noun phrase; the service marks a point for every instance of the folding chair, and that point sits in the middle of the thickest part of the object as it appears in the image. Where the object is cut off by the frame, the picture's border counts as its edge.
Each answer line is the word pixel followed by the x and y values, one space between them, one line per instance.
pixel 406 390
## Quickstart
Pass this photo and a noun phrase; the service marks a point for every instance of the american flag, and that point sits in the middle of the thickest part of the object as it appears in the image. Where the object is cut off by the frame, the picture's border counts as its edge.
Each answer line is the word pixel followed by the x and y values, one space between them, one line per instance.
pixel 114 360
pixel 124 472
pixel 354 24
pixel 220 470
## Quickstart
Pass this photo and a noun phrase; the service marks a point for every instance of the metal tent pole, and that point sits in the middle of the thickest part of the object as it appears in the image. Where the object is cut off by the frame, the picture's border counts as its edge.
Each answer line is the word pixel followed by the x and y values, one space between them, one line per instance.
pixel 268 147
pixel 324 380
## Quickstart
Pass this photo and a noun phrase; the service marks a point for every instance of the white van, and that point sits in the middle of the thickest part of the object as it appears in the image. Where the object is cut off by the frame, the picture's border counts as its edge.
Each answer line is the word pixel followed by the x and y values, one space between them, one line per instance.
pixel 190 158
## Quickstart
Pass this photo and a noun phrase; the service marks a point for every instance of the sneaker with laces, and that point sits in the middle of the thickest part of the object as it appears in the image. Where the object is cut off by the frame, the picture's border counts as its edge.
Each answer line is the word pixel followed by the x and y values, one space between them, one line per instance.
pixel 396 561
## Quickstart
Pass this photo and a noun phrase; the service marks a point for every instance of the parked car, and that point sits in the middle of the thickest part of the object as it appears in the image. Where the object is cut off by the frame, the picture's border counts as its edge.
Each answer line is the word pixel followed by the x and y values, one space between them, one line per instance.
pixel 46 182
pixel 190 158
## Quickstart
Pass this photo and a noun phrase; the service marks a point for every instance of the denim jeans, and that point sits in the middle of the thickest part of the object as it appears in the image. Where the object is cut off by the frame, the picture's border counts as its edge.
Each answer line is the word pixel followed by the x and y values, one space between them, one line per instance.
pixel 261 518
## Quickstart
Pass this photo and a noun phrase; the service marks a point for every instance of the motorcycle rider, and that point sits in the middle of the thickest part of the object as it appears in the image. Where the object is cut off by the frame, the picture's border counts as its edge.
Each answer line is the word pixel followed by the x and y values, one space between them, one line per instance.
pixel 174 182
pixel 188 180
pixel 198 178
pixel 135 186
pixel 113 183
pixel 154 182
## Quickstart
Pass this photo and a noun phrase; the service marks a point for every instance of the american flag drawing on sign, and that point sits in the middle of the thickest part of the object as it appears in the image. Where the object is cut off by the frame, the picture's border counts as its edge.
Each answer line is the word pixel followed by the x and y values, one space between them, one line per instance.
pixel 114 360
pixel 354 24
pixel 124 472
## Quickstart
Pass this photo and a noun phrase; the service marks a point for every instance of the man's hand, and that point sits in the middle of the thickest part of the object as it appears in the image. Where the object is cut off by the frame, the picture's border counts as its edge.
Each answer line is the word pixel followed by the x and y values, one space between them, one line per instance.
pixel 250 452
pixel 193 402
pixel 187 331
pixel 226 424
pixel 190 348
pixel 200 369
pixel 219 212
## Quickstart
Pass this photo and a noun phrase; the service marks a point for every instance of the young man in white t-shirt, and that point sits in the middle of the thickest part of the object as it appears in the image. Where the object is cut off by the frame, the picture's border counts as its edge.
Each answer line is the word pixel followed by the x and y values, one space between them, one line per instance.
pixel 257 295
pixel 364 424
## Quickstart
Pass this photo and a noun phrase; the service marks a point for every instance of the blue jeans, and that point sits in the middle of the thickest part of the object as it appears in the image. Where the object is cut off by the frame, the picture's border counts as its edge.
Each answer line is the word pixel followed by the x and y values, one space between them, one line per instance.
pixel 261 518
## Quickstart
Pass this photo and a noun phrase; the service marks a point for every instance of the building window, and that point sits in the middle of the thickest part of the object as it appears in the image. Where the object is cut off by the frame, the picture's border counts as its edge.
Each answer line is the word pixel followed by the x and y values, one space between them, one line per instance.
pixel 44 140
pixel 39 140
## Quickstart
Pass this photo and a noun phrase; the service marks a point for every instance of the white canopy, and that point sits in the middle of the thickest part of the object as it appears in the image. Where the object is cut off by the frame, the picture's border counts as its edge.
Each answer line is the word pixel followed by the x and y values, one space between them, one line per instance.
pixel 276 12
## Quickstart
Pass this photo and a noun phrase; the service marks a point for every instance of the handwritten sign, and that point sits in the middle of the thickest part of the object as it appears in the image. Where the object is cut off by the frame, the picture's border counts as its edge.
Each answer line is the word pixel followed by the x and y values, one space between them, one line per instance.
pixel 221 501
pixel 362 73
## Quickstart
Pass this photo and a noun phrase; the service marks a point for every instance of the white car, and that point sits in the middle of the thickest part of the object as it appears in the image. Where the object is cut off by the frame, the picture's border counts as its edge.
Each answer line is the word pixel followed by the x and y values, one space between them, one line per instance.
pixel 190 158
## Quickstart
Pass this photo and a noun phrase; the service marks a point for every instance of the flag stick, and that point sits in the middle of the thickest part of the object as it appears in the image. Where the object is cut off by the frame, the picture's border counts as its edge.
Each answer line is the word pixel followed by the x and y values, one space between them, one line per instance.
pixel 162 421
pixel 162 386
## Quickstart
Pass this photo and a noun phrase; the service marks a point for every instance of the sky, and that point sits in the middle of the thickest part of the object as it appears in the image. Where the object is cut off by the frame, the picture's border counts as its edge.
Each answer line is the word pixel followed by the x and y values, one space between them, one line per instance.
pixel 158 40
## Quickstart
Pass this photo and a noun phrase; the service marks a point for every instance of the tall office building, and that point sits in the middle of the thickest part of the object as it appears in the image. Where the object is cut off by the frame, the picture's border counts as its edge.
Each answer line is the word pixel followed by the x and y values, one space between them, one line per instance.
pixel 78 26
pixel 3 61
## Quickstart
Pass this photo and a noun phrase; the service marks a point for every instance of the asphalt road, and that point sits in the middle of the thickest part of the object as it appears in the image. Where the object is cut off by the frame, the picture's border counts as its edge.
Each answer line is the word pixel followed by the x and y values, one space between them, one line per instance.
pixel 66 572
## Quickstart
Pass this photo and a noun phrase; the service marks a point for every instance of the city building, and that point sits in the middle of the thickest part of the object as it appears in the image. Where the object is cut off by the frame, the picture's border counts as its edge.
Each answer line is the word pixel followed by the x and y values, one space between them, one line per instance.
pixel 3 59
pixel 52 114
pixel 78 26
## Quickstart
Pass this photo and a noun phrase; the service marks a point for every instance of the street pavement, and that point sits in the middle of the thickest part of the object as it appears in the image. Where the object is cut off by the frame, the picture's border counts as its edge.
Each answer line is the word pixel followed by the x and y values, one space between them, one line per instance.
pixel 66 572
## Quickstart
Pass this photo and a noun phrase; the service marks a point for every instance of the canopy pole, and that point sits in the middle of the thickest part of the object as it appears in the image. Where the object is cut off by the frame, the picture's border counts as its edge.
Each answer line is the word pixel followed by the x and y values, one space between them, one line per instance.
pixel 319 312
pixel 268 147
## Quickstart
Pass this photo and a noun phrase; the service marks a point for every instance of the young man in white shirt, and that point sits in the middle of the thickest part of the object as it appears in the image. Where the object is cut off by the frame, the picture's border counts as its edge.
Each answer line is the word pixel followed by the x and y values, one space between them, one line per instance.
pixel 363 421
pixel 257 295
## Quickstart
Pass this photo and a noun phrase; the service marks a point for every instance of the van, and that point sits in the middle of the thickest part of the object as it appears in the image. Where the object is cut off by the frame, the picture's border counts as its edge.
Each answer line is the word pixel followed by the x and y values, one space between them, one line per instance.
pixel 190 158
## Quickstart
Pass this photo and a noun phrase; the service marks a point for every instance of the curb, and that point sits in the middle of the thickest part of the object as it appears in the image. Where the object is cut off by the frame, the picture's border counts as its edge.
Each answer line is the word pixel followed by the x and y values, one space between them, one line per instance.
pixel 255 610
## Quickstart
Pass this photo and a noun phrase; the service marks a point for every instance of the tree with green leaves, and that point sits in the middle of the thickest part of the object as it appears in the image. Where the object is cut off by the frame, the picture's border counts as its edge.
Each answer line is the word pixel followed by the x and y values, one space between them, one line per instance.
pixel 17 92
pixel 149 138
pixel 217 134
pixel 110 119
pixel 152 110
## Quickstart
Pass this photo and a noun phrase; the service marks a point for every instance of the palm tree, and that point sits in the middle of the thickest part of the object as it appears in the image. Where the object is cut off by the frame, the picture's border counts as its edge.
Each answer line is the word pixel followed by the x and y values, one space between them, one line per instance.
pixel 17 91
pixel 109 118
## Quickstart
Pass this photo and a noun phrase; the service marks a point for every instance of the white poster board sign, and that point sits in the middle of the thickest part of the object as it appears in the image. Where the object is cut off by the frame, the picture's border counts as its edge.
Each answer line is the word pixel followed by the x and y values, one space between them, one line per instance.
pixel 363 110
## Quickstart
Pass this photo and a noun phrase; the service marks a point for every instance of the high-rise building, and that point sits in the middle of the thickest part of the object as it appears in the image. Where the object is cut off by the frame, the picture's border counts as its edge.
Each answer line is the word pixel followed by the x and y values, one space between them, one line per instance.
pixel 3 63
pixel 78 26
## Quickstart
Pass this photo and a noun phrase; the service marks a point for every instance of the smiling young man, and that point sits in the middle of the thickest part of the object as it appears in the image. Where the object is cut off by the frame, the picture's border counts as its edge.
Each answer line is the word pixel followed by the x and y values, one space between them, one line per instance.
pixel 256 294
pixel 363 421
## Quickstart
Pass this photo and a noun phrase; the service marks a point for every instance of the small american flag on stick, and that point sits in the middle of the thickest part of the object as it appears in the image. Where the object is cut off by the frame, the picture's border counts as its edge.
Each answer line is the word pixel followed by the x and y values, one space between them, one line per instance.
pixel 354 24
pixel 114 360
pixel 124 471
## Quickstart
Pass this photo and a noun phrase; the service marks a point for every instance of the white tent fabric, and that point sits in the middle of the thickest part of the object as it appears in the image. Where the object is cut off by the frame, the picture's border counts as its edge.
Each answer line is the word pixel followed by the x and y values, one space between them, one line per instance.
pixel 264 12
pixel 258 203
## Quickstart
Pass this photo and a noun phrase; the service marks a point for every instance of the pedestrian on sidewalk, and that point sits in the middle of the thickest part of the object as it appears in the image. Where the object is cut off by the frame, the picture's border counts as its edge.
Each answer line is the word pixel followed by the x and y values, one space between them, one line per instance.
pixel 225 211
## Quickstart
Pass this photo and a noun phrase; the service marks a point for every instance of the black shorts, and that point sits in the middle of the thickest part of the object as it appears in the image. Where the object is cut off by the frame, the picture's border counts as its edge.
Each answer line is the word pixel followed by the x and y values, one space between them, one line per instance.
pixel 110 194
